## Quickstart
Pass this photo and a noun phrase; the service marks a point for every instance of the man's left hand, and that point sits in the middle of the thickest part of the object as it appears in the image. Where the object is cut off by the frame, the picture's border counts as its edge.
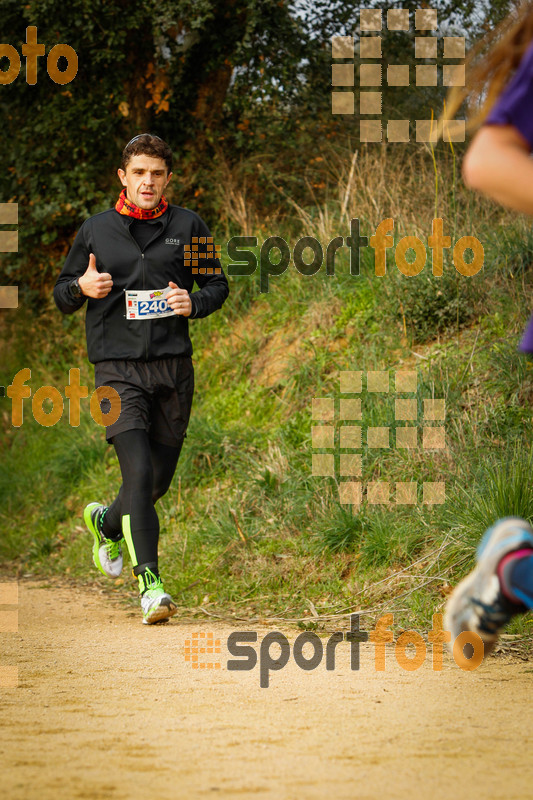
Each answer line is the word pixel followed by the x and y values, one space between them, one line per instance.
pixel 179 300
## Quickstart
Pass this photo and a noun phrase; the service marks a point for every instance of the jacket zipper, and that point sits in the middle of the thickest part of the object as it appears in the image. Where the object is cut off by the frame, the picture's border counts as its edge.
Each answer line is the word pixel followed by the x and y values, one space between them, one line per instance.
pixel 142 271
pixel 145 331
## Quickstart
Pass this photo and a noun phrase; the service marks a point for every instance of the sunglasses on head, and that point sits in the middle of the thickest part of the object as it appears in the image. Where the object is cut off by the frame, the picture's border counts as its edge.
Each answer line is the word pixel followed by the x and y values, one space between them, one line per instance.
pixel 143 134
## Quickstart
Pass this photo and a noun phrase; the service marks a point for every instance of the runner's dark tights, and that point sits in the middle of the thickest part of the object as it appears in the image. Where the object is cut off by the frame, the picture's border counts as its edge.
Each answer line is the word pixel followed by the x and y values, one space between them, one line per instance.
pixel 147 469
pixel 521 579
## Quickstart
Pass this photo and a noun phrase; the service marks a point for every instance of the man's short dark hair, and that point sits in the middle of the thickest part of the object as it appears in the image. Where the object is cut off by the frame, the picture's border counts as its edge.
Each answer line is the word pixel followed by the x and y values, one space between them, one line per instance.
pixel 149 145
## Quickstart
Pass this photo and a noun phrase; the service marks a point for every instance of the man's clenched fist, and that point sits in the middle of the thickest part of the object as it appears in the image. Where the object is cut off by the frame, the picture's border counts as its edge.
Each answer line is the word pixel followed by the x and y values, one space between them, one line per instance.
pixel 179 300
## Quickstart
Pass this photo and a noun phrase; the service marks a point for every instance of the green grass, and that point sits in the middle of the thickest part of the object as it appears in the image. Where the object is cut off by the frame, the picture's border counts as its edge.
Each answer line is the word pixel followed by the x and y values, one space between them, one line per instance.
pixel 246 528
pixel 500 487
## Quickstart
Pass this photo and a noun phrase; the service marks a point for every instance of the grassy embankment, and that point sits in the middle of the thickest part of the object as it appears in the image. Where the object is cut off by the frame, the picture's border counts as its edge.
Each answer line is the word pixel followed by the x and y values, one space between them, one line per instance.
pixel 246 529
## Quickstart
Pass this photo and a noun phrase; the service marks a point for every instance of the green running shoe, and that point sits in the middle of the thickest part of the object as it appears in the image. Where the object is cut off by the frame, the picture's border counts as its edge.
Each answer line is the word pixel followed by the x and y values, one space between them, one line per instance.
pixel 107 554
pixel 156 604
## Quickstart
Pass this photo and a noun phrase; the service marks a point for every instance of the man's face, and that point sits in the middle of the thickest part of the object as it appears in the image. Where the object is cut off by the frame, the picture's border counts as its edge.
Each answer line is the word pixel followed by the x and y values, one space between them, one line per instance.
pixel 145 179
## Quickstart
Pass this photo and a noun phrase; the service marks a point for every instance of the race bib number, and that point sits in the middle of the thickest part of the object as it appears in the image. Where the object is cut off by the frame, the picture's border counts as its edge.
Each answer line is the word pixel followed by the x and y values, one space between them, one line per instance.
pixel 147 304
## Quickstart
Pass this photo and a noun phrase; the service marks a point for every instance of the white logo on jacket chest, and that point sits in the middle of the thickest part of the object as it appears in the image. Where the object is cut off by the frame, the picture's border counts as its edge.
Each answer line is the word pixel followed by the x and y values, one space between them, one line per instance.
pixel 172 241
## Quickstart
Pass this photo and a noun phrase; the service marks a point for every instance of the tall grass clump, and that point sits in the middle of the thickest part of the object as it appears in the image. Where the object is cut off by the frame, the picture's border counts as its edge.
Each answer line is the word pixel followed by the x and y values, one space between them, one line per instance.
pixel 501 488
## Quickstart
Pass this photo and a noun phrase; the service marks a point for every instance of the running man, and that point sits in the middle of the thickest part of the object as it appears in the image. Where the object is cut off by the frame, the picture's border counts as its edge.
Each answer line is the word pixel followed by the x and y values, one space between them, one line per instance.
pixel 498 163
pixel 127 263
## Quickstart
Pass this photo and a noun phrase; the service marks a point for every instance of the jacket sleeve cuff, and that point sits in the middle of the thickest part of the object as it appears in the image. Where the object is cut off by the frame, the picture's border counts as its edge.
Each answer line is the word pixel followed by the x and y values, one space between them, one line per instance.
pixel 194 307
pixel 71 293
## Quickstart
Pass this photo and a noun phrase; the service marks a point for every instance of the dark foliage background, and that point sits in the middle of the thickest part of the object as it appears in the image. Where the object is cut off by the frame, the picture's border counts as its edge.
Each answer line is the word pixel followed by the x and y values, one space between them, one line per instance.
pixel 241 89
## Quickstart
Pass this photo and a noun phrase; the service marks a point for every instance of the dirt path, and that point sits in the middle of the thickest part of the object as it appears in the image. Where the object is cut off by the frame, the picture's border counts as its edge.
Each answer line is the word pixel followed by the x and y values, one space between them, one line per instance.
pixel 109 708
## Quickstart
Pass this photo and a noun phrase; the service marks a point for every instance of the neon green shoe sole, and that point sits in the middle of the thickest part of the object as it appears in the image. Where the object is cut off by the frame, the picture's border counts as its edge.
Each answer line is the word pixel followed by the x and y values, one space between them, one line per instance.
pixel 157 606
pixel 107 554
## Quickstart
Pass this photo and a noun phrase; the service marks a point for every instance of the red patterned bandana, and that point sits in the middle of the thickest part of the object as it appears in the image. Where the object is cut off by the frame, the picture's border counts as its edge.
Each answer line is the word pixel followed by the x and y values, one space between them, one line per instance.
pixel 125 206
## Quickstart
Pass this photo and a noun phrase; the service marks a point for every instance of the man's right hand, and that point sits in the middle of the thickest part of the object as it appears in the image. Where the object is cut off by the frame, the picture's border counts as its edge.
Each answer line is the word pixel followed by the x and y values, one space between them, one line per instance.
pixel 93 283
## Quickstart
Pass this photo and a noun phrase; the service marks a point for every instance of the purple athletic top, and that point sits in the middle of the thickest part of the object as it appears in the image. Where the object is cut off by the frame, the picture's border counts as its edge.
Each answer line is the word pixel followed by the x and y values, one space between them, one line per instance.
pixel 514 107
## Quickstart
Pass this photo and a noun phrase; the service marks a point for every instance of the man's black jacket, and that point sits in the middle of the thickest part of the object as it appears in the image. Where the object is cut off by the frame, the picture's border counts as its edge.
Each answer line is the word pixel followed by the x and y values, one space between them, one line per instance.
pixel 110 334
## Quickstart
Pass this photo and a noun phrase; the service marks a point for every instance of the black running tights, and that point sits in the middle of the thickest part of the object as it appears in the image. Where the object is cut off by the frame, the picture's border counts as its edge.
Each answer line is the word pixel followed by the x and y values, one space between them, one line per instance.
pixel 147 469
